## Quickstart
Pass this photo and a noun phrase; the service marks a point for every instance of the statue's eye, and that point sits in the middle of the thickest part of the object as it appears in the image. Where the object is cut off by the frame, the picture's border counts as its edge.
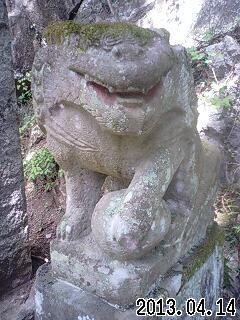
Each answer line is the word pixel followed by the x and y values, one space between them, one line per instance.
pixel 117 53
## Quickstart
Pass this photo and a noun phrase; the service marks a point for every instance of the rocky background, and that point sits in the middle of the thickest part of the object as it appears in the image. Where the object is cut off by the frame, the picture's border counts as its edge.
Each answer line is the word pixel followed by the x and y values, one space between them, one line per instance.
pixel 211 32
pixel 15 265
pixel 187 21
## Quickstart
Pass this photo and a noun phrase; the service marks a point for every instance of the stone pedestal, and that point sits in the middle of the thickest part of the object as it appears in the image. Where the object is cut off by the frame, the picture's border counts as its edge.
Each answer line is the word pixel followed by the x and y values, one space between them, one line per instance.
pixel 197 276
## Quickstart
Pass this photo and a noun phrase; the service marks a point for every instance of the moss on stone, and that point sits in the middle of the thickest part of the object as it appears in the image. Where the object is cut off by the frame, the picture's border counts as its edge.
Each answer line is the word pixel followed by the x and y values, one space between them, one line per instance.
pixel 92 34
pixel 215 237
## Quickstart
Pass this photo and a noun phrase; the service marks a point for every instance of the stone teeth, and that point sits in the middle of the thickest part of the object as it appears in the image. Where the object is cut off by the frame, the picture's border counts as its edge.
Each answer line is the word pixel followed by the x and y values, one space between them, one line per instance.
pixel 143 91
pixel 110 89
pixel 130 100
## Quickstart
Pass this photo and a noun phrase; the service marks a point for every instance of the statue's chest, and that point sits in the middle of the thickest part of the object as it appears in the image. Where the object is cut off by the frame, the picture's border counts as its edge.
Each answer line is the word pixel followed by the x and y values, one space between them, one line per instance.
pixel 78 135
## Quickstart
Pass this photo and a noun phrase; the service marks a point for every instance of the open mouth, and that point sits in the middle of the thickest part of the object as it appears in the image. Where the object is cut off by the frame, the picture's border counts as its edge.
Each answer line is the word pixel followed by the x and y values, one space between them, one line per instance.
pixel 129 98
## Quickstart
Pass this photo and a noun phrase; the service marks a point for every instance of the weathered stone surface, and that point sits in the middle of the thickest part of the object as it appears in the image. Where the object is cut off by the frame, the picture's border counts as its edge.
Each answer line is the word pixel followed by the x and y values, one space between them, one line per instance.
pixel 205 283
pixel 191 19
pixel 220 123
pixel 199 275
pixel 117 100
pixel 27 19
pixel 11 302
pixel 36 135
pixel 27 310
pixel 86 266
pixel 224 56
pixel 124 10
pixel 15 264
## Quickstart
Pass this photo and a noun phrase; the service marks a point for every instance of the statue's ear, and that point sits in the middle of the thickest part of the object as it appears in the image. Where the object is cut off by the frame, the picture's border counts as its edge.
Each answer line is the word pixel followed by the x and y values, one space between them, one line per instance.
pixel 163 33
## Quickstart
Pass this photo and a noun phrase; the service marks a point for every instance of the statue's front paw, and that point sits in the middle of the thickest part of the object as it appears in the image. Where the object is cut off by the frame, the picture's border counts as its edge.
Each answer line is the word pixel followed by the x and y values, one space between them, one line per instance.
pixel 116 226
pixel 68 229
pixel 126 231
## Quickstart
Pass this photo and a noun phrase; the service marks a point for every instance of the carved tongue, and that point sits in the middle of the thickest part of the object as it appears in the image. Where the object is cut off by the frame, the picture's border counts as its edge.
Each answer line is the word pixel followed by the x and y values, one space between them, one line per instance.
pixel 103 92
pixel 129 99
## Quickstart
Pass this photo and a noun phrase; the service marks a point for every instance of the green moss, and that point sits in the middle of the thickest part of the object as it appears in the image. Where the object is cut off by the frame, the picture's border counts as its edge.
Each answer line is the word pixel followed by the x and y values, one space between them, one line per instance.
pixel 92 34
pixel 215 236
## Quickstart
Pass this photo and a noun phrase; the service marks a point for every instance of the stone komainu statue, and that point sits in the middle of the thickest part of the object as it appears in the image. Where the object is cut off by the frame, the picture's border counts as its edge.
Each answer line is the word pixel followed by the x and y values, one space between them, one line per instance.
pixel 118 105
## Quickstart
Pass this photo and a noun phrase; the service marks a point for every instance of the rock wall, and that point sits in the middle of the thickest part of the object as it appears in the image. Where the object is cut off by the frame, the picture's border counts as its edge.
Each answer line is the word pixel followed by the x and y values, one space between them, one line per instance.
pixel 27 18
pixel 192 19
pixel 219 122
pixel 15 264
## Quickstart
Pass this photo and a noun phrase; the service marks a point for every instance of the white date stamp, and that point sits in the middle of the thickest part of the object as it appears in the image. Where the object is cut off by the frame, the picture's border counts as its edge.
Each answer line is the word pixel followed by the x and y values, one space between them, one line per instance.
pixel 168 307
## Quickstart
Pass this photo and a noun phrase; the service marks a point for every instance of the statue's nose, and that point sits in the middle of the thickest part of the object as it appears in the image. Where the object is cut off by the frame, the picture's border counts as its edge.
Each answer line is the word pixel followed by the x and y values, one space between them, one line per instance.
pixel 121 52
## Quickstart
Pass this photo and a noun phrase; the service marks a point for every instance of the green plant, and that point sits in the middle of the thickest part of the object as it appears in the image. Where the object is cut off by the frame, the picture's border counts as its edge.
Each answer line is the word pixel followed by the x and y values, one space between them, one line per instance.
pixel 41 167
pixel 50 185
pixel 200 64
pixel 227 213
pixel 227 209
pixel 221 102
pixel 28 123
pixel 233 236
pixel 208 36
pixel 237 229
pixel 227 278
pixel 196 55
pixel 23 86
pixel 222 99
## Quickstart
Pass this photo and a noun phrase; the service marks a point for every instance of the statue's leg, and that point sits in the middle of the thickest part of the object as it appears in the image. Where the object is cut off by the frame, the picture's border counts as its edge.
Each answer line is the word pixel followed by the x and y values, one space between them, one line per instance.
pixel 191 195
pixel 130 222
pixel 83 192
pixel 195 178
